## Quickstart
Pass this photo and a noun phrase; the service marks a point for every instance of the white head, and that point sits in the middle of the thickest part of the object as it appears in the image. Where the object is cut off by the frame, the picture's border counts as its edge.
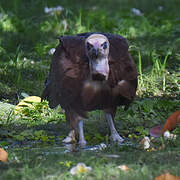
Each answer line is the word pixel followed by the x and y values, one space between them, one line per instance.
pixel 97 51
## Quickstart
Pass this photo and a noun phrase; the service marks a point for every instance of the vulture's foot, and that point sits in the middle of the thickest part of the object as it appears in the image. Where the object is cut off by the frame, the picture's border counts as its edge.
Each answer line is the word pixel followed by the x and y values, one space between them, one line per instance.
pixel 116 138
pixel 70 138
pixel 82 143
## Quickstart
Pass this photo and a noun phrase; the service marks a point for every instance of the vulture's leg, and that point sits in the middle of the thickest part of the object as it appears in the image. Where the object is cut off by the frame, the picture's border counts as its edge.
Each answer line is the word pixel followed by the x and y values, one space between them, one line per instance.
pixel 76 124
pixel 82 141
pixel 114 134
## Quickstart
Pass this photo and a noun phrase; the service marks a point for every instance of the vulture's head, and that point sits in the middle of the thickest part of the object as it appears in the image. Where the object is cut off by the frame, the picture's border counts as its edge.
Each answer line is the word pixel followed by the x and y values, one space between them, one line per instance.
pixel 97 51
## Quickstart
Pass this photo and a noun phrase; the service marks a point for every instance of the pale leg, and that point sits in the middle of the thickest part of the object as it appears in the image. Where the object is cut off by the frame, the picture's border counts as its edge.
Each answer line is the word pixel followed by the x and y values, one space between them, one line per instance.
pixel 114 134
pixel 82 141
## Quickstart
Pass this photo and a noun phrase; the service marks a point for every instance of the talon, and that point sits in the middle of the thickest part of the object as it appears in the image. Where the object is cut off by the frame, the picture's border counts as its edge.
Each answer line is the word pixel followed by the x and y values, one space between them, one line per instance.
pixel 82 144
pixel 117 138
pixel 70 138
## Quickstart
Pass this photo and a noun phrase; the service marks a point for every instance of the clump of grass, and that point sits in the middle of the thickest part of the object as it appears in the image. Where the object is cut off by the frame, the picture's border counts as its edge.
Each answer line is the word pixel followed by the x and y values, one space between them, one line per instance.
pixel 155 81
pixel 159 69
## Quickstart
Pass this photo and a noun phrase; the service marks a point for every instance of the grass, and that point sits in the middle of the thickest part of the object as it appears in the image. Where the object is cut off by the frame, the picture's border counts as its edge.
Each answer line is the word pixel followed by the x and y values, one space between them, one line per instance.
pixel 38 164
pixel 33 137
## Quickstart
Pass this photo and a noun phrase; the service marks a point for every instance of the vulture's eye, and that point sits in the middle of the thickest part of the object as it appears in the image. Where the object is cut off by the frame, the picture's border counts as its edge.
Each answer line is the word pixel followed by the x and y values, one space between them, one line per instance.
pixel 104 45
pixel 89 46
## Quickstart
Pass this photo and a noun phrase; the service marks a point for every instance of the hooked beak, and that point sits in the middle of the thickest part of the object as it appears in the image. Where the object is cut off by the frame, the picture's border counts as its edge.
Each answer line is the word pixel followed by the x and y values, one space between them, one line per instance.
pixel 95 53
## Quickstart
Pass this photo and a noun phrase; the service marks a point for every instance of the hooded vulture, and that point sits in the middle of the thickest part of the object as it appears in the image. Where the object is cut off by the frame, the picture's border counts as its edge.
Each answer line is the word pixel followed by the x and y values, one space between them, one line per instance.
pixel 91 71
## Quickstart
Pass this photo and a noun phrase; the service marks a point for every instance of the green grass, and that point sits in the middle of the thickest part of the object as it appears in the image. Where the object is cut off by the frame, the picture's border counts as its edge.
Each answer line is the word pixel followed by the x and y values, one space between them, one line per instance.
pixel 39 164
pixel 27 37
pixel 33 137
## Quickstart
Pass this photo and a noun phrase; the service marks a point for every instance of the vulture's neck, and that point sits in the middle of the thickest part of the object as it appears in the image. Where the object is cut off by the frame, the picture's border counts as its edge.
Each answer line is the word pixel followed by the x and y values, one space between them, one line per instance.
pixel 100 59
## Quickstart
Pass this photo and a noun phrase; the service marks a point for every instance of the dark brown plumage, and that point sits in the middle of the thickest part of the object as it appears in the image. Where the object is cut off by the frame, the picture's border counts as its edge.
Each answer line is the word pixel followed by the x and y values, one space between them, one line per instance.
pixel 70 83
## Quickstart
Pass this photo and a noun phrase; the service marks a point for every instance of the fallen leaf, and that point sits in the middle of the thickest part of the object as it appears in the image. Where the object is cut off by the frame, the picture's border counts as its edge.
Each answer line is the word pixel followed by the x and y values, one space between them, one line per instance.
pixel 172 121
pixel 167 176
pixel 145 142
pixel 3 155
pixel 170 124
pixel 124 168
pixel 27 102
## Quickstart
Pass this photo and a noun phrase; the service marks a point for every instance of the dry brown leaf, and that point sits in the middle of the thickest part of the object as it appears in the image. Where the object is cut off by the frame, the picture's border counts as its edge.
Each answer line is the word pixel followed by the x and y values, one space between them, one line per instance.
pixel 145 143
pixel 124 168
pixel 172 121
pixel 3 155
pixel 167 176
pixel 170 124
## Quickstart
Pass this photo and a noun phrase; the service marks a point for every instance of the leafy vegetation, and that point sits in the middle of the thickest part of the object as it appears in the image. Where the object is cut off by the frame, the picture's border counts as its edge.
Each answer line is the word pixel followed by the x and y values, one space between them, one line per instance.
pixel 33 136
